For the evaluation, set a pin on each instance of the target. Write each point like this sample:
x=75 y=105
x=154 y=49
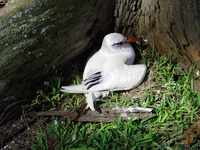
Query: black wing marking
x=93 y=80
x=91 y=85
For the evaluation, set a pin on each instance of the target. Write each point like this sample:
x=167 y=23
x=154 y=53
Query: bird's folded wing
x=121 y=77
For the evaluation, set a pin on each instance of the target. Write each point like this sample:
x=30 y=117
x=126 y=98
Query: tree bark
x=38 y=35
x=173 y=25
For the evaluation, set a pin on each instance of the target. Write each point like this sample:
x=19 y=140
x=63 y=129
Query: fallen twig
x=107 y=114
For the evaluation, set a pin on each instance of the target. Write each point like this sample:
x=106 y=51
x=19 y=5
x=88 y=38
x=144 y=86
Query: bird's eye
x=119 y=43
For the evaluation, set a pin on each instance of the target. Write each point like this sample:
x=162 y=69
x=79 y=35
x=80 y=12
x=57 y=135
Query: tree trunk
x=38 y=35
x=173 y=25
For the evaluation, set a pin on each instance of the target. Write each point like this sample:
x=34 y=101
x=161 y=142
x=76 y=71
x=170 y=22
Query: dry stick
x=58 y=139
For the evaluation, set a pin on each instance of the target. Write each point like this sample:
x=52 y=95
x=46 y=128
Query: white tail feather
x=90 y=101
x=73 y=89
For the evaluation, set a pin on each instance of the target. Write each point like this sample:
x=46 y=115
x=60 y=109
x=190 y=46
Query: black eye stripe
x=119 y=43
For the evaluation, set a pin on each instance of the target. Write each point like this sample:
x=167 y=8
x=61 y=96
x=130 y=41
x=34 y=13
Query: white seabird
x=110 y=69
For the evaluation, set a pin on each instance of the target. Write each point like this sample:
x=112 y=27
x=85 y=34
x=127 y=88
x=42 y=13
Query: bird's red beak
x=130 y=40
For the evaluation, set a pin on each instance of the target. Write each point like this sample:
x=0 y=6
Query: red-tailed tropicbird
x=109 y=69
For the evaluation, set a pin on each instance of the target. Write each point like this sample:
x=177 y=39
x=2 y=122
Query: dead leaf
x=191 y=134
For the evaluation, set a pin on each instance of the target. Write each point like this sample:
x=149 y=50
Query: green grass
x=167 y=89
x=68 y=101
x=132 y=134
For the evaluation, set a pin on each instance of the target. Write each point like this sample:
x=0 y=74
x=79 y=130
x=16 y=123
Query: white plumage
x=110 y=69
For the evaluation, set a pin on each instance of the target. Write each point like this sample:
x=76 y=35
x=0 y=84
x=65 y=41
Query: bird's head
x=116 y=41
